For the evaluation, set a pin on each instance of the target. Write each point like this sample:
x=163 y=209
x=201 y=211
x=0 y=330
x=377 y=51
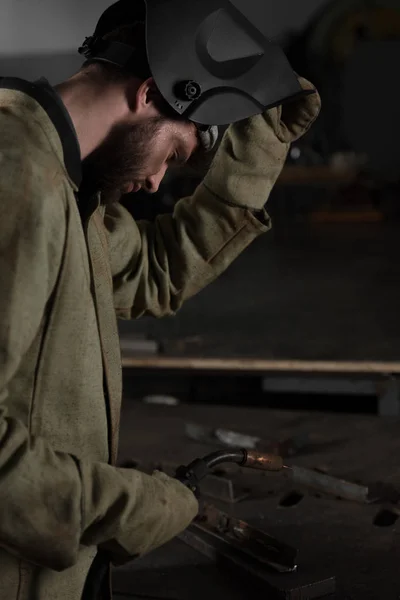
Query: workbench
x=357 y=543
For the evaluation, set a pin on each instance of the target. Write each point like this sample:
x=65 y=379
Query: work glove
x=140 y=514
x=253 y=151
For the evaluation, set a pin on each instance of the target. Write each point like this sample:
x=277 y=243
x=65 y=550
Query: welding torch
x=192 y=474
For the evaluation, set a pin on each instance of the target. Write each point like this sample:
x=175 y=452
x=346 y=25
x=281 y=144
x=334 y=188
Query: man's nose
x=153 y=181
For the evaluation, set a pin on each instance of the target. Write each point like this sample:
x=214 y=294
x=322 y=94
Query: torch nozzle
x=263 y=462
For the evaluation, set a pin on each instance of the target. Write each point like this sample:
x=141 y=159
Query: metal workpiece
x=257 y=558
x=261 y=582
x=253 y=542
x=330 y=485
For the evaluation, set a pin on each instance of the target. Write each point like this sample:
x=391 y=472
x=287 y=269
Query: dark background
x=324 y=283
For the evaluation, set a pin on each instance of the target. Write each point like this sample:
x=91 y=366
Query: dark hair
x=133 y=35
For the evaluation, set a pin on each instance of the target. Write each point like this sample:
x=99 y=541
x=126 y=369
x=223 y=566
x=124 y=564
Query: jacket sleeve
x=157 y=266
x=50 y=502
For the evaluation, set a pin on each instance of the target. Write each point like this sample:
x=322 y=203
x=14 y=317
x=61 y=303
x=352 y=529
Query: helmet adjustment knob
x=188 y=90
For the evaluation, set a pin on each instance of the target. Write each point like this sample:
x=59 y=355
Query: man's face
x=138 y=155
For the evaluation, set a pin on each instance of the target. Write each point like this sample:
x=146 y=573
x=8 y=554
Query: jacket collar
x=50 y=101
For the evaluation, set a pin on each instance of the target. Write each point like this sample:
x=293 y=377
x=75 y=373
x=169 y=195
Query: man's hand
x=253 y=152
x=292 y=120
x=156 y=509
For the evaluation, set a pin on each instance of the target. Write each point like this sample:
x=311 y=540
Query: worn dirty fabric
x=238 y=175
x=189 y=250
x=63 y=280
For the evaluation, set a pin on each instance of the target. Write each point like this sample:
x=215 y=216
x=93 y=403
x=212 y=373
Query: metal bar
x=330 y=485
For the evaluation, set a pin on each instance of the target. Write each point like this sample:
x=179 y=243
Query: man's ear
x=145 y=99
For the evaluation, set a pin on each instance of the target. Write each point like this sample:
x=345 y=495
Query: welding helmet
x=211 y=63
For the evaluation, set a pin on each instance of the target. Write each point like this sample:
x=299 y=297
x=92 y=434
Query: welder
x=151 y=91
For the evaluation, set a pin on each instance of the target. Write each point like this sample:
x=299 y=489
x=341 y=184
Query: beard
x=121 y=159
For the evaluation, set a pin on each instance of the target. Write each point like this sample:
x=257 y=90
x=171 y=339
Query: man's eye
x=175 y=159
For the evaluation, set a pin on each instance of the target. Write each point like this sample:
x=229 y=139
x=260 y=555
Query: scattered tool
x=234 y=439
